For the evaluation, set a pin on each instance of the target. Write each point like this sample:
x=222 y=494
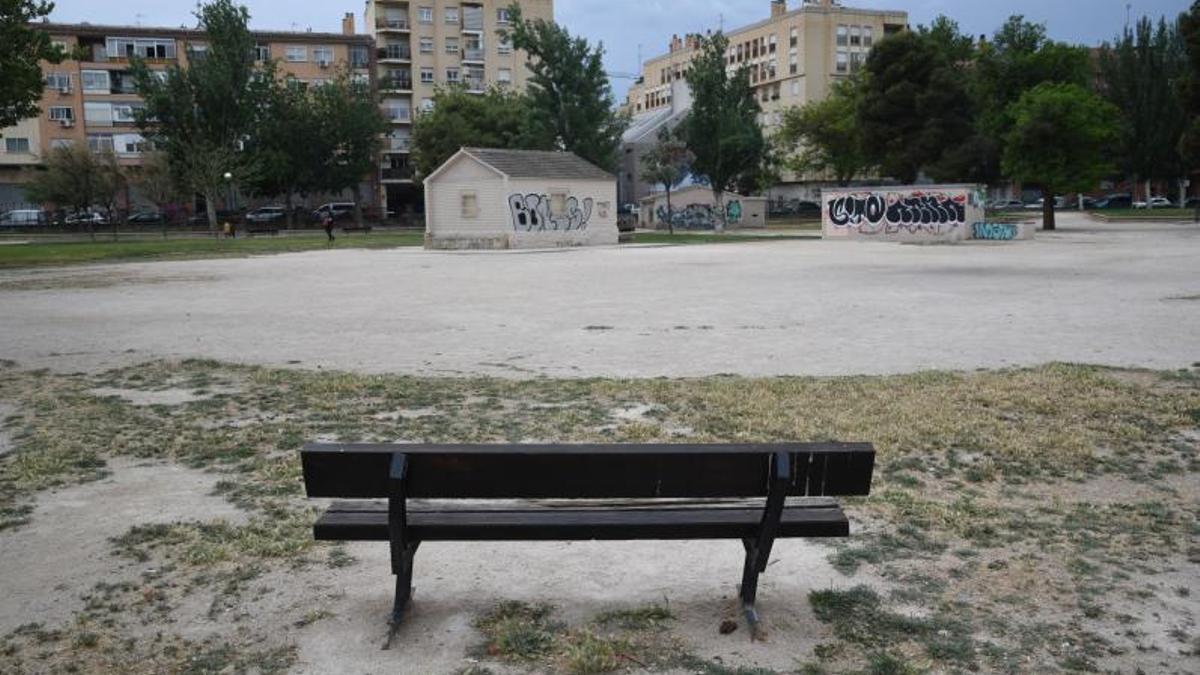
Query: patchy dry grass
x=1024 y=520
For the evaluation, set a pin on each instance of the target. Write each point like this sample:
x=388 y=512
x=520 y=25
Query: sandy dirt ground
x=1122 y=295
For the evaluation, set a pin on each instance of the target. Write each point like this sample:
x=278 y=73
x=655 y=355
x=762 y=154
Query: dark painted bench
x=707 y=476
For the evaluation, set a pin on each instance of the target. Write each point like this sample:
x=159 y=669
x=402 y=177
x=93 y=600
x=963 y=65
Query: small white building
x=503 y=199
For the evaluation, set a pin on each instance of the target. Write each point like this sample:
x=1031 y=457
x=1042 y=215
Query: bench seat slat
x=367 y=521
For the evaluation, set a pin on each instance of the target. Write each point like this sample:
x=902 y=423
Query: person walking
x=327 y=222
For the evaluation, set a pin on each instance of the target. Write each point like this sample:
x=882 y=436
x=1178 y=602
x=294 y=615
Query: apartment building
x=426 y=44
x=94 y=100
x=794 y=56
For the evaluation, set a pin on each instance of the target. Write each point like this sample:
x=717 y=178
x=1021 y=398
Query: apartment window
x=296 y=54
x=426 y=45
x=62 y=113
x=795 y=38
x=425 y=14
x=452 y=15
x=771 y=45
x=323 y=55
x=470 y=205
x=100 y=142
x=427 y=76
x=59 y=143
x=452 y=75
x=451 y=45
x=146 y=48
x=855 y=36
x=504 y=76
x=795 y=87
x=868 y=36
x=16 y=146
x=427 y=105
x=843 y=62
x=98 y=113
x=856 y=61
x=262 y=52
x=95 y=81
x=197 y=51
x=502 y=16
x=360 y=56
x=843 y=33
x=58 y=81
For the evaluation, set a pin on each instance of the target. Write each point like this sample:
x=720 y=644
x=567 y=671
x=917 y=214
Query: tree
x=157 y=182
x=722 y=128
x=498 y=119
x=824 y=136
x=668 y=164
x=76 y=178
x=1059 y=141
x=1189 y=91
x=1140 y=76
x=349 y=128
x=285 y=167
x=915 y=108
x=203 y=115
x=569 y=89
x=25 y=47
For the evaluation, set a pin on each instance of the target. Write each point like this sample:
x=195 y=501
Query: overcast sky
x=625 y=25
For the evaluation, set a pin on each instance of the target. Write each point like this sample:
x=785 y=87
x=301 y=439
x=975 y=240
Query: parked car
x=339 y=211
x=1116 y=201
x=1006 y=205
x=147 y=218
x=86 y=218
x=267 y=215
x=23 y=218
x=1155 y=202
x=1059 y=203
x=1192 y=203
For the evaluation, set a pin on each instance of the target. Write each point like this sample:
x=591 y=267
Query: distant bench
x=702 y=474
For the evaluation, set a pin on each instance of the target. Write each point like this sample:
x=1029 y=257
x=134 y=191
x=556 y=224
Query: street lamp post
x=228 y=202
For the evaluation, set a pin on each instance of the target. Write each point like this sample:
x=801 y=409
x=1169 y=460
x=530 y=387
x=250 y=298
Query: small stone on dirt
x=728 y=626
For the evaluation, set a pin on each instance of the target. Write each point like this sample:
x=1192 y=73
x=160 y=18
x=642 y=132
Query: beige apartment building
x=94 y=100
x=794 y=57
x=422 y=45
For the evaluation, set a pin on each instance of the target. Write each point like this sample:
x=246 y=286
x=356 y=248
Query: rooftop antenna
x=721 y=20
x=639 y=57
x=1128 y=14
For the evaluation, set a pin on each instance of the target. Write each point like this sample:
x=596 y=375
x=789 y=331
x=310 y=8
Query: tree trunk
x=287 y=204
x=358 y=214
x=1149 y=204
x=670 y=220
x=1047 y=209
x=719 y=207
x=210 y=208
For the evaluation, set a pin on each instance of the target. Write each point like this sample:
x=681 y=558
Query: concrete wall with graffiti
x=692 y=209
x=927 y=213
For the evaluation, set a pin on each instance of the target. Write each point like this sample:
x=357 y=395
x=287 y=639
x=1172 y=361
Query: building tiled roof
x=539 y=164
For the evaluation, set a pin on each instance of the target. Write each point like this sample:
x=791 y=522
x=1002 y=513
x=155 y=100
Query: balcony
x=392 y=24
x=398 y=115
x=475 y=85
x=397 y=174
x=398 y=144
x=395 y=53
x=395 y=84
x=473 y=54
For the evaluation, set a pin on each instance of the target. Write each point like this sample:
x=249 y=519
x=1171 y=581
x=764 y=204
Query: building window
x=59 y=143
x=452 y=15
x=148 y=48
x=95 y=81
x=100 y=143
x=262 y=52
x=425 y=14
x=197 y=51
x=98 y=113
x=855 y=36
x=62 y=113
x=795 y=38
x=856 y=61
x=470 y=205
x=504 y=76
x=842 y=36
x=452 y=75
x=16 y=146
x=427 y=76
x=843 y=62
x=558 y=204
x=297 y=54
x=426 y=45
x=795 y=87
x=868 y=36
x=771 y=45
x=451 y=45
x=323 y=55
x=58 y=81
x=502 y=15
x=360 y=56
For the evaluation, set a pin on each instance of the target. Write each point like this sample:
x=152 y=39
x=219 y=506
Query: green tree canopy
x=203 y=115
x=722 y=128
x=77 y=179
x=568 y=88
x=497 y=119
x=350 y=127
x=667 y=164
x=1059 y=140
x=1189 y=146
x=22 y=49
x=824 y=136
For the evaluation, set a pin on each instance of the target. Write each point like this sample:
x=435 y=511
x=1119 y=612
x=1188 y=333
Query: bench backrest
x=648 y=471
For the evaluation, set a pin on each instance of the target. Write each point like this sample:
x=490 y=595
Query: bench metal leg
x=404 y=581
x=749 y=589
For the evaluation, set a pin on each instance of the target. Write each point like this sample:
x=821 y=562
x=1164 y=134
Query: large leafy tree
x=722 y=128
x=1140 y=75
x=156 y=181
x=350 y=126
x=285 y=167
x=1189 y=91
x=915 y=109
x=75 y=178
x=568 y=88
x=203 y=115
x=22 y=49
x=1059 y=140
x=824 y=136
x=667 y=164
x=497 y=119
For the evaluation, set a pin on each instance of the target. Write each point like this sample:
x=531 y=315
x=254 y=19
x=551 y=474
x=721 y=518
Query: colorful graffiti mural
x=700 y=216
x=532 y=213
x=872 y=213
x=995 y=231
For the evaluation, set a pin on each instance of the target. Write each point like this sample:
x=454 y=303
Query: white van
x=23 y=218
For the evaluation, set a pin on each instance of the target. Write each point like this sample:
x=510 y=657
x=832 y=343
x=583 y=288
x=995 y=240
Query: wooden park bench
x=706 y=476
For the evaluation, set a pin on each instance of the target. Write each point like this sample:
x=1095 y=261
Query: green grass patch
x=43 y=254
x=638 y=618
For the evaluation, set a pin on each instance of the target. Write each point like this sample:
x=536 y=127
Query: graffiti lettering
x=995 y=231
x=699 y=216
x=917 y=212
x=532 y=213
x=733 y=212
